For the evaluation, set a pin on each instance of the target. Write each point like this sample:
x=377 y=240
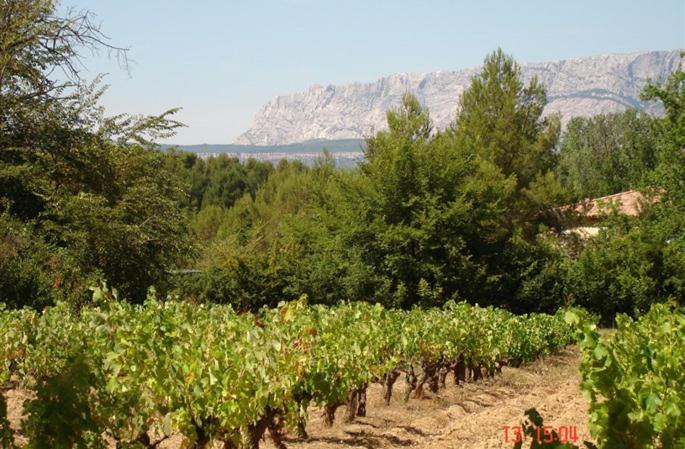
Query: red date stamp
x=541 y=434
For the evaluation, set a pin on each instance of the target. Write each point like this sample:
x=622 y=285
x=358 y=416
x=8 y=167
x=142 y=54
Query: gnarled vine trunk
x=460 y=370
x=389 y=380
x=411 y=383
x=269 y=421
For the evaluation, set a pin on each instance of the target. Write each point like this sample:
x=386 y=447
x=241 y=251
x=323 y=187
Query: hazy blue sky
x=222 y=60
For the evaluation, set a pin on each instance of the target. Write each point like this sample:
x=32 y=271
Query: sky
x=222 y=60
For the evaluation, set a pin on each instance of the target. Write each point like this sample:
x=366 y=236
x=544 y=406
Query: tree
x=500 y=124
x=607 y=153
x=499 y=119
x=668 y=179
x=92 y=189
x=428 y=205
x=670 y=170
x=36 y=45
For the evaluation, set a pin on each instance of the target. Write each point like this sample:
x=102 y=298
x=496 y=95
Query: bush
x=32 y=273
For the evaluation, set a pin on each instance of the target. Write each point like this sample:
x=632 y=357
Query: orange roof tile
x=629 y=203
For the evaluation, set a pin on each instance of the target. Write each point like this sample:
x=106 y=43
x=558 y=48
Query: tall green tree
x=92 y=189
x=500 y=123
x=500 y=119
x=670 y=171
x=607 y=153
x=668 y=179
x=428 y=206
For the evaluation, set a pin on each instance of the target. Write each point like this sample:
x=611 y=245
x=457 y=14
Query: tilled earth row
x=470 y=416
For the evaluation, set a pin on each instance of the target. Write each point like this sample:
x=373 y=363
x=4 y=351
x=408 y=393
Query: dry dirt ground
x=470 y=416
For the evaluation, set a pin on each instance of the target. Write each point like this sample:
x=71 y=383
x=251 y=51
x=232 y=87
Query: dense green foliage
x=133 y=372
x=218 y=181
x=635 y=380
x=81 y=196
x=606 y=154
x=628 y=267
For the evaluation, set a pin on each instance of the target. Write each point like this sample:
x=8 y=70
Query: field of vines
x=132 y=375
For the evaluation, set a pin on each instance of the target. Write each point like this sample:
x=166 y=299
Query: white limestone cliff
x=575 y=87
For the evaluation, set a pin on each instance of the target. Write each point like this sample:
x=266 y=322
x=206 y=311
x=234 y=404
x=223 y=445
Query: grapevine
x=137 y=374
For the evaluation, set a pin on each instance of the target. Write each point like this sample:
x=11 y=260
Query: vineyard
x=135 y=375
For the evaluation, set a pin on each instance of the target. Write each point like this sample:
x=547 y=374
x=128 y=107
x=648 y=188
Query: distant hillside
x=346 y=152
x=576 y=87
x=311 y=146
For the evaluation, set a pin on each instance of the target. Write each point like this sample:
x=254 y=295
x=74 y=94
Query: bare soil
x=15 y=400
x=469 y=416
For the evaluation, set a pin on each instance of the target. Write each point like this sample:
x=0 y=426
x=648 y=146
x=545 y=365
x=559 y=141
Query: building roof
x=629 y=203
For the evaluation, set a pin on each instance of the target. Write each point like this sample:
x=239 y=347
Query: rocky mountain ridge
x=575 y=87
